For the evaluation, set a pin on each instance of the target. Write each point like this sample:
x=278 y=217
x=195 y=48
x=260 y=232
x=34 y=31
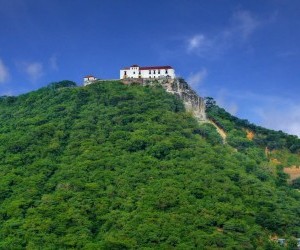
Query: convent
x=135 y=71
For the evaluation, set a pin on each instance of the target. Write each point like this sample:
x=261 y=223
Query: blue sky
x=245 y=54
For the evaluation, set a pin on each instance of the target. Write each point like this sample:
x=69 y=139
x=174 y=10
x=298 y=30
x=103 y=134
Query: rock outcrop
x=179 y=87
x=190 y=98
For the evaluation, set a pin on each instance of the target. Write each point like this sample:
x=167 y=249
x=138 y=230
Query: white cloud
x=201 y=45
x=198 y=41
x=197 y=79
x=4 y=73
x=53 y=62
x=34 y=70
x=243 y=24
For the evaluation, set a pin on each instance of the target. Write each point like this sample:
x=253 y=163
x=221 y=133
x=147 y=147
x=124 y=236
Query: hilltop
x=112 y=166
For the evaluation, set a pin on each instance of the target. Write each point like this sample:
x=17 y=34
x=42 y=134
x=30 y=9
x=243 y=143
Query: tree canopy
x=110 y=166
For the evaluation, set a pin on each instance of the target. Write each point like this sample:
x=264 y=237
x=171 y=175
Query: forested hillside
x=110 y=166
x=280 y=149
x=236 y=127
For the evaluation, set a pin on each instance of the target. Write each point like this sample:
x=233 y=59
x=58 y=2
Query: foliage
x=110 y=166
x=279 y=148
x=209 y=132
x=296 y=183
x=263 y=137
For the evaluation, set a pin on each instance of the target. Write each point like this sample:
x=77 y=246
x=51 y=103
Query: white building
x=89 y=79
x=135 y=71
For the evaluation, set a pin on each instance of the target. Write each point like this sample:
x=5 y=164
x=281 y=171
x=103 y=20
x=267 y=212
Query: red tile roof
x=156 y=67
x=88 y=76
x=149 y=67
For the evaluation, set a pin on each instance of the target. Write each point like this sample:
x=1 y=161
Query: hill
x=280 y=149
x=110 y=166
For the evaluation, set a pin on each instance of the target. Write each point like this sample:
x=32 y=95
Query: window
x=158 y=71
x=134 y=72
x=153 y=71
x=149 y=72
x=149 y=76
x=125 y=73
x=166 y=71
x=139 y=72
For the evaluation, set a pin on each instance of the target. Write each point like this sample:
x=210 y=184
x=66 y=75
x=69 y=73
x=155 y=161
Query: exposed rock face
x=191 y=100
x=180 y=88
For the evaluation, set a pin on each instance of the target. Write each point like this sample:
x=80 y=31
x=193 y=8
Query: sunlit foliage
x=110 y=166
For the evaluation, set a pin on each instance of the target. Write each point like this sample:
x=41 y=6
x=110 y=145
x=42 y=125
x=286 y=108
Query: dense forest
x=110 y=166
x=281 y=149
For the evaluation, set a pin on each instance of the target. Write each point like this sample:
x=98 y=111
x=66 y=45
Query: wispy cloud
x=244 y=24
x=270 y=111
x=201 y=45
x=225 y=101
x=53 y=62
x=198 y=42
x=196 y=79
x=34 y=70
x=281 y=116
x=240 y=28
x=286 y=54
x=4 y=73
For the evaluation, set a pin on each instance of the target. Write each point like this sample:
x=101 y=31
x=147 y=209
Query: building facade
x=88 y=80
x=135 y=71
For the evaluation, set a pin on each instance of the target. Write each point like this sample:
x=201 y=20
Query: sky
x=244 y=54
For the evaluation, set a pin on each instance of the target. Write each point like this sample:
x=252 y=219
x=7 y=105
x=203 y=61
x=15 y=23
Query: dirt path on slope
x=221 y=132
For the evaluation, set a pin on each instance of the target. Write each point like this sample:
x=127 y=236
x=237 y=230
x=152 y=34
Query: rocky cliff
x=192 y=101
x=180 y=88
